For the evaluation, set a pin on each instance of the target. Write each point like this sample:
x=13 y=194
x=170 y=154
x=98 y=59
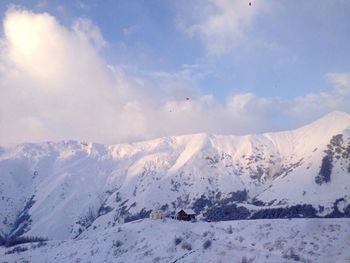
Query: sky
x=122 y=71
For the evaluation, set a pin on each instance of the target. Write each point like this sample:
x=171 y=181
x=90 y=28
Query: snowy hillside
x=60 y=189
x=274 y=240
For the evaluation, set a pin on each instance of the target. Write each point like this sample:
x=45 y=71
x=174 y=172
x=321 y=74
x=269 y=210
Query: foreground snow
x=278 y=240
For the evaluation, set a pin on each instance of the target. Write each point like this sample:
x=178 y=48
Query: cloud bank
x=55 y=85
x=221 y=25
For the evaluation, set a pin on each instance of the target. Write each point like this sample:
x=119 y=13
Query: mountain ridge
x=62 y=189
x=342 y=118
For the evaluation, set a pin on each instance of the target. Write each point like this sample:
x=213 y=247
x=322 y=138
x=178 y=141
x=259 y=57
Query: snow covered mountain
x=62 y=189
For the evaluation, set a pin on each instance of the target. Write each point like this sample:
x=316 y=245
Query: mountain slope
x=60 y=189
x=302 y=240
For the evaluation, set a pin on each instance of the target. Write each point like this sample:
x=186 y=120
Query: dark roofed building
x=185 y=214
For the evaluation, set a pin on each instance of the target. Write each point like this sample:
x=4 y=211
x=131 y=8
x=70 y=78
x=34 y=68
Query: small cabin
x=185 y=214
x=156 y=214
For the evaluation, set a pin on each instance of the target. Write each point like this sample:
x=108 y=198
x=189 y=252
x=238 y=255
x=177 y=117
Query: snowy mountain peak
x=62 y=189
x=337 y=115
x=336 y=119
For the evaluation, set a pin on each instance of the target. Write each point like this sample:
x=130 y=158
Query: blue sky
x=277 y=51
x=300 y=42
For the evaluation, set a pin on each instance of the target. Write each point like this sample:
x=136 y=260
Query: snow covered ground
x=273 y=240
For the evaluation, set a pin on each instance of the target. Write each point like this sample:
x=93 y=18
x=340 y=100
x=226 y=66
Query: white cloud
x=222 y=24
x=55 y=76
x=86 y=30
x=265 y=114
x=341 y=81
x=54 y=85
